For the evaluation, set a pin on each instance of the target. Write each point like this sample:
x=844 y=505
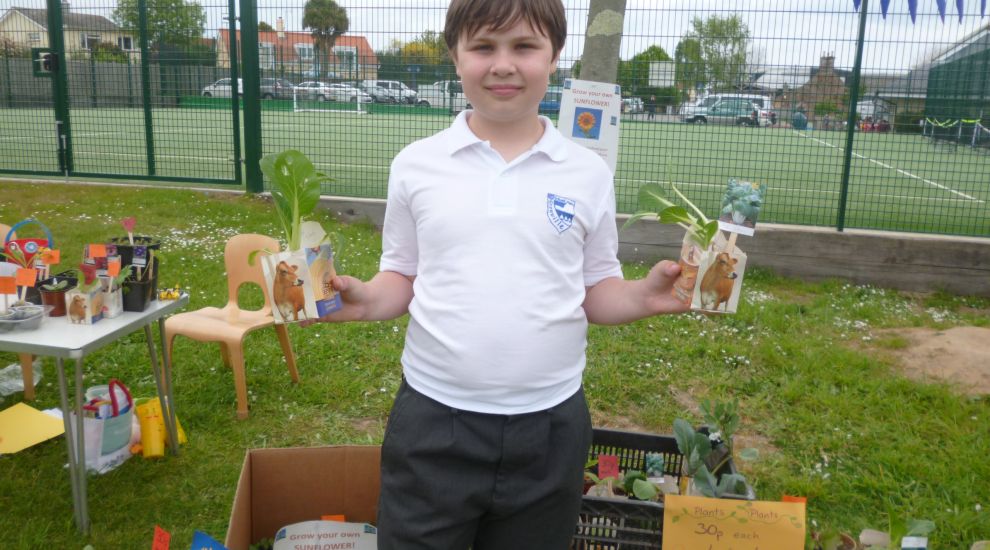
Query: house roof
x=366 y=56
x=71 y=21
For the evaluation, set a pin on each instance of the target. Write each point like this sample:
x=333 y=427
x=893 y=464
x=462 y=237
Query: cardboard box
x=279 y=487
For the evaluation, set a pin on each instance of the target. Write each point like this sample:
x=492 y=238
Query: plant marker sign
x=692 y=523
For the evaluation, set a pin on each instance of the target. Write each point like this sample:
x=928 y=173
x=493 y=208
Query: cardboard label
x=51 y=256
x=26 y=276
x=608 y=466
x=8 y=285
x=589 y=116
x=113 y=266
x=690 y=523
x=97 y=251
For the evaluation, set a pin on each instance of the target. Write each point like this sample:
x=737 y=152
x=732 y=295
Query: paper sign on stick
x=608 y=466
x=26 y=276
x=97 y=251
x=113 y=266
x=723 y=524
x=8 y=285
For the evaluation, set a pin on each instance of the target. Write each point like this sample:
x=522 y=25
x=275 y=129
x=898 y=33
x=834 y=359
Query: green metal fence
x=896 y=141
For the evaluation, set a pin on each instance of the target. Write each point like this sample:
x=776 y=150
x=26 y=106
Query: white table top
x=58 y=337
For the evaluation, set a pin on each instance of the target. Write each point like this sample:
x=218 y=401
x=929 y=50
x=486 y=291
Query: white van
x=442 y=94
x=397 y=91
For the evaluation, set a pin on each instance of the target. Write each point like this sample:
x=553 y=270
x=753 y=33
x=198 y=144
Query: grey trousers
x=453 y=479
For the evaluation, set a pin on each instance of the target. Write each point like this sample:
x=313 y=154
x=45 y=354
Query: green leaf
x=704 y=481
x=296 y=187
x=644 y=490
x=636 y=217
x=676 y=214
x=651 y=197
x=684 y=435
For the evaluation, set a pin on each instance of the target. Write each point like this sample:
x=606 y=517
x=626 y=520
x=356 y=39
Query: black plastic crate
x=618 y=523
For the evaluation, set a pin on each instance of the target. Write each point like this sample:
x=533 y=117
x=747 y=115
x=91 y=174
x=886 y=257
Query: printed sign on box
x=589 y=116
x=690 y=523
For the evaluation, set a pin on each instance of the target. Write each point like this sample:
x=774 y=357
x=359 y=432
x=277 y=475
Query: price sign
x=691 y=523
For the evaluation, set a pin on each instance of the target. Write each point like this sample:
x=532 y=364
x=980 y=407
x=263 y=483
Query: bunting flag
x=913 y=8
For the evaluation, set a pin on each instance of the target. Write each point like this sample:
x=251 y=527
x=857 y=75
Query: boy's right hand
x=385 y=296
x=352 y=293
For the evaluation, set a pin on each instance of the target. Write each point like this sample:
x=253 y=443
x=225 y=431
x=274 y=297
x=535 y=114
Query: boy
x=500 y=242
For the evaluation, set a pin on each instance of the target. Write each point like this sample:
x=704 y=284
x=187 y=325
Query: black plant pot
x=126 y=252
x=137 y=295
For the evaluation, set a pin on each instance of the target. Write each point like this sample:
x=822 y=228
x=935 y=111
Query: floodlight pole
x=851 y=119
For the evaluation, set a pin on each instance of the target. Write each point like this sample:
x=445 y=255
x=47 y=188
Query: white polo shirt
x=502 y=253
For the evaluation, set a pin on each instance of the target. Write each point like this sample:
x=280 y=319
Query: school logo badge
x=560 y=211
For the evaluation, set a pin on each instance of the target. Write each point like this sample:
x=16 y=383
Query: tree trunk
x=600 y=60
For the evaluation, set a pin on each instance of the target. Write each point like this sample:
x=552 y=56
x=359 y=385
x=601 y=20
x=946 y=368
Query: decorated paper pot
x=689 y=261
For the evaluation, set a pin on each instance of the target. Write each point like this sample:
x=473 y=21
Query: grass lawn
x=811 y=364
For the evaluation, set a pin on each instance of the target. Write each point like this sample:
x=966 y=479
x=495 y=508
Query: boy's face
x=505 y=74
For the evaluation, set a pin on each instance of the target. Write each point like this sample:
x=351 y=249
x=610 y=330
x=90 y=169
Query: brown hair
x=466 y=17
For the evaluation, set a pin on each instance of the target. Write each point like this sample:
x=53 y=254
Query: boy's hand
x=352 y=294
x=385 y=296
x=659 y=284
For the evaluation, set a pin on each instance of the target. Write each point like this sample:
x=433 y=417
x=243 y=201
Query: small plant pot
x=126 y=251
x=137 y=295
x=56 y=298
x=689 y=261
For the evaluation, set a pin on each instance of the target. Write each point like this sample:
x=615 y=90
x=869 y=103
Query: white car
x=221 y=88
x=319 y=91
x=343 y=92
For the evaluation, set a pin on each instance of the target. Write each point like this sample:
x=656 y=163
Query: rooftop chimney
x=827 y=62
x=280 y=27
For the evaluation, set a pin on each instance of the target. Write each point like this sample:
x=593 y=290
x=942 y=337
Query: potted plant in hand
x=298 y=279
x=699 y=231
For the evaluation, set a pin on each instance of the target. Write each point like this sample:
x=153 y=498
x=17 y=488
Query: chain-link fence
x=156 y=89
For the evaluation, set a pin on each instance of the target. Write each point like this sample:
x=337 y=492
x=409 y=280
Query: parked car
x=343 y=92
x=632 y=105
x=443 y=93
x=221 y=88
x=320 y=91
x=276 y=88
x=551 y=100
x=271 y=88
x=399 y=92
x=377 y=93
x=740 y=112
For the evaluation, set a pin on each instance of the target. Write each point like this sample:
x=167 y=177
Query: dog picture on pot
x=720 y=278
x=299 y=283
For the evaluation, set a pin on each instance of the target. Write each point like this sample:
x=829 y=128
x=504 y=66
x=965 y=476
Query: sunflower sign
x=589 y=116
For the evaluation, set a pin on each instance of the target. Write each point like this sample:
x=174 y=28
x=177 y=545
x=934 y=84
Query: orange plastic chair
x=229 y=325
x=27 y=360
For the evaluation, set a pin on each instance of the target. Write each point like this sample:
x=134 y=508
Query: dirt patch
x=959 y=355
